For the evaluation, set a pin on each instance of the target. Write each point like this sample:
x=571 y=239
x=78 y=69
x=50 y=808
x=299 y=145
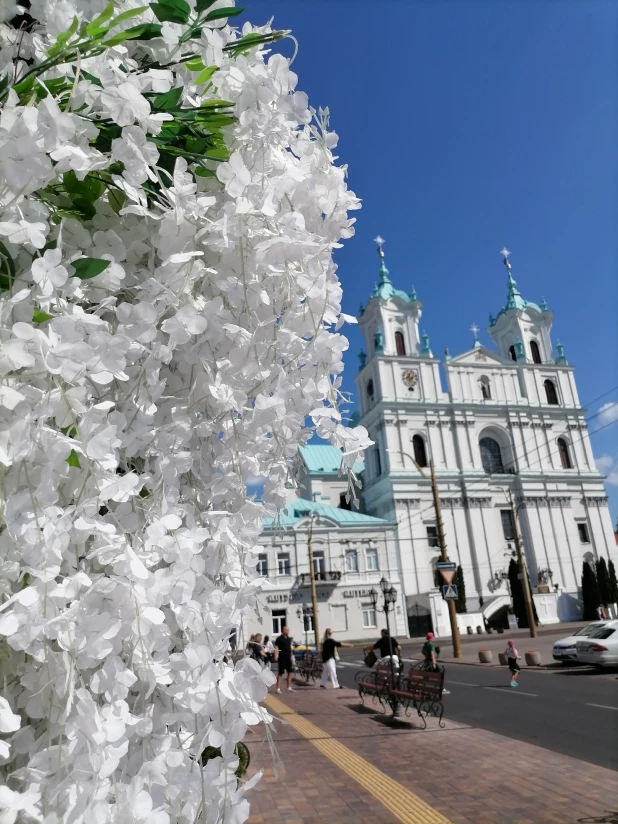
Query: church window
x=376 y=451
x=433 y=540
x=370 y=390
x=512 y=353
x=563 y=450
x=584 y=536
x=400 y=344
x=550 y=392
x=535 y=351
x=508 y=527
x=420 y=454
x=491 y=456
x=485 y=388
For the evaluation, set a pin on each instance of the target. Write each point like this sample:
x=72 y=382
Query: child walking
x=512 y=657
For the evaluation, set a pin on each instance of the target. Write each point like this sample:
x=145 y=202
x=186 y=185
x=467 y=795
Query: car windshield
x=587 y=630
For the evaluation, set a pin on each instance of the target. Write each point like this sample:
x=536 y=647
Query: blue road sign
x=449 y=592
x=446 y=565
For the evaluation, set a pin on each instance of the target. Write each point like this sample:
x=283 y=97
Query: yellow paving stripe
x=405 y=806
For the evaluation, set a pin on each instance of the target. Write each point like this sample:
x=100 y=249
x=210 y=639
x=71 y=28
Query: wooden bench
x=377 y=683
x=421 y=690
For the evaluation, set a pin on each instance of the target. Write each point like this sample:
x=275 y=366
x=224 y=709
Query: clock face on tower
x=410 y=378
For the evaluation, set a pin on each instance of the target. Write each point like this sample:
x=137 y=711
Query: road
x=572 y=710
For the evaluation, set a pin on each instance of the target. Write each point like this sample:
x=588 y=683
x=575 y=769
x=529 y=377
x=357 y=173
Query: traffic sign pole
x=444 y=559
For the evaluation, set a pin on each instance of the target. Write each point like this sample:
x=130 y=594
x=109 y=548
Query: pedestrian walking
x=284 y=658
x=249 y=645
x=513 y=657
x=330 y=656
x=430 y=652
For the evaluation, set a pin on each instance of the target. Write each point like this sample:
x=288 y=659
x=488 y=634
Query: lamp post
x=389 y=595
x=305 y=613
x=314 y=597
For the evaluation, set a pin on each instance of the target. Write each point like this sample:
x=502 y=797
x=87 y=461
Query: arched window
x=485 y=388
x=370 y=390
x=550 y=392
x=512 y=353
x=565 y=458
x=420 y=455
x=535 y=351
x=400 y=343
x=491 y=456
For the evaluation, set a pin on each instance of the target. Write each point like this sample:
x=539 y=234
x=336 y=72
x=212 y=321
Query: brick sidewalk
x=469 y=776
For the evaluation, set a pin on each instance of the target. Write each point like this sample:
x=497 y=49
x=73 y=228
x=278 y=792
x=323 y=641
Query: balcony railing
x=330 y=577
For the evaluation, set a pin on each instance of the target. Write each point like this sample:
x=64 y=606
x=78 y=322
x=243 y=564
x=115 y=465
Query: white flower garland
x=168 y=323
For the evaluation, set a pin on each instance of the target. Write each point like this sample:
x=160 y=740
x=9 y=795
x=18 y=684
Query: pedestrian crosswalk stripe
x=403 y=804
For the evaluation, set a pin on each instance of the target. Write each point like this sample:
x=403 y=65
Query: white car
x=600 y=647
x=565 y=649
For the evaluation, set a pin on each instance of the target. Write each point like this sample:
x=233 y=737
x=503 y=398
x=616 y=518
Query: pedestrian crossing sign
x=449 y=592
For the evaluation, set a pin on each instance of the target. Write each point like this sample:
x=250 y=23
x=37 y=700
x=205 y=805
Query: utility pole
x=314 y=597
x=452 y=613
x=523 y=571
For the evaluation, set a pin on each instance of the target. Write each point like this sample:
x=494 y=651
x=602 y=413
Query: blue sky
x=467 y=126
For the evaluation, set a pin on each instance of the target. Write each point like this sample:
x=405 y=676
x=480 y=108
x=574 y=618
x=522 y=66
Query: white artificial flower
x=48 y=273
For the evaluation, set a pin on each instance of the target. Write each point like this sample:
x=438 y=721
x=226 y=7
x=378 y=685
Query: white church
x=508 y=421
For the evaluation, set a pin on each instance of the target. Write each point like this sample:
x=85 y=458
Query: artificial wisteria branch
x=169 y=307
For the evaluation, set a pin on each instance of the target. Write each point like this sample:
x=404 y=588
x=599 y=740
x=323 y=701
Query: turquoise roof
x=300 y=508
x=384 y=287
x=324 y=459
x=514 y=300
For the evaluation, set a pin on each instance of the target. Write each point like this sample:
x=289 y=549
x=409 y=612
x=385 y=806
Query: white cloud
x=608 y=413
x=607 y=465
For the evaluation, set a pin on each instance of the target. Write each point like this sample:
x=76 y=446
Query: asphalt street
x=570 y=710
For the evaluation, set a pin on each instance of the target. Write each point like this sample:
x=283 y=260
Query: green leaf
x=40 y=317
x=73 y=459
x=86 y=268
x=204 y=77
x=202 y=171
x=92 y=78
x=144 y=31
x=217 y=14
x=96 y=24
x=202 y=5
x=63 y=38
x=24 y=86
x=88 y=189
x=127 y=15
x=69 y=431
x=217 y=153
x=194 y=64
x=5 y=82
x=116 y=199
x=215 y=104
x=171 y=11
x=25 y=580
x=8 y=260
x=168 y=100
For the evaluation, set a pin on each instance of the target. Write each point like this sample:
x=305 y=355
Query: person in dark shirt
x=284 y=657
x=385 y=648
x=329 y=659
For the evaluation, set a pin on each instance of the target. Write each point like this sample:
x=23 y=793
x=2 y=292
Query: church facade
x=507 y=424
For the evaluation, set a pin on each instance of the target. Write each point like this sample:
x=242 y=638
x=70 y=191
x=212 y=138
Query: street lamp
x=389 y=595
x=305 y=613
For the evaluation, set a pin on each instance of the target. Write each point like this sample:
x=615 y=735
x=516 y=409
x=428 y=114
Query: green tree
x=613 y=583
x=517 y=593
x=590 y=592
x=603 y=581
x=460 y=603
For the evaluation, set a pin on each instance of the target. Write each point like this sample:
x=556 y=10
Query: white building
x=351 y=553
x=508 y=421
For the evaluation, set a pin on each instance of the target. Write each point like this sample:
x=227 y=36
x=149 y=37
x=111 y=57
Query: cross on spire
x=379 y=241
x=505 y=257
x=475 y=331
